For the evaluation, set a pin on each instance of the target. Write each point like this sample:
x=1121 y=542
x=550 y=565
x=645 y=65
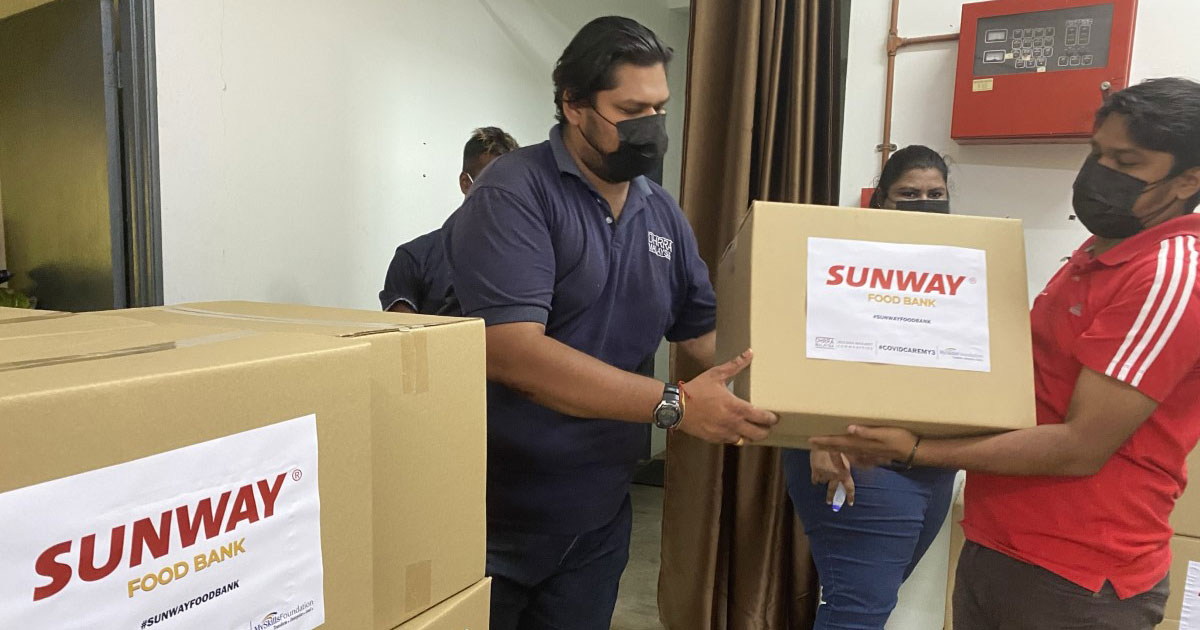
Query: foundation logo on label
x=275 y=619
x=826 y=343
x=972 y=354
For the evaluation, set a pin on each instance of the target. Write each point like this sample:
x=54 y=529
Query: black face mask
x=1104 y=200
x=935 y=206
x=643 y=142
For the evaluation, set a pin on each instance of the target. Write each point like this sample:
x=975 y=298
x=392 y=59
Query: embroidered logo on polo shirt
x=660 y=246
x=1077 y=310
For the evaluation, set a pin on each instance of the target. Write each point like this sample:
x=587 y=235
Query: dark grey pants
x=995 y=592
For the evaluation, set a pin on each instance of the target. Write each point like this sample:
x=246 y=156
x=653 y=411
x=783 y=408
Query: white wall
x=1029 y=182
x=302 y=141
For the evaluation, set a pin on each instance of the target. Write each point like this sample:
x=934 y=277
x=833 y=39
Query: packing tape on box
x=123 y=352
x=377 y=327
x=414 y=362
x=418 y=586
x=35 y=318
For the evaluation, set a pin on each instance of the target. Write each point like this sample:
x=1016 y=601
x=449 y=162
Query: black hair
x=910 y=158
x=586 y=66
x=486 y=141
x=1162 y=115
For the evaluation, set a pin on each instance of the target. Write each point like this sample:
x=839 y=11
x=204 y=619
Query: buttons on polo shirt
x=608 y=220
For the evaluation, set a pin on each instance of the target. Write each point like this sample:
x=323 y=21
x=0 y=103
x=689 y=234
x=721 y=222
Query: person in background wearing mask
x=914 y=179
x=1067 y=522
x=865 y=549
x=418 y=279
x=579 y=266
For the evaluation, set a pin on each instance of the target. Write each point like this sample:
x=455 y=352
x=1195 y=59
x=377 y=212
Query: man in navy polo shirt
x=418 y=279
x=580 y=266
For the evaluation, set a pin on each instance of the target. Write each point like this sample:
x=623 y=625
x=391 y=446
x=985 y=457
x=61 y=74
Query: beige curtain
x=762 y=123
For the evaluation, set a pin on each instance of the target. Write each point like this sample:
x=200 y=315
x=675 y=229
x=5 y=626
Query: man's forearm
x=557 y=376
x=702 y=350
x=1045 y=450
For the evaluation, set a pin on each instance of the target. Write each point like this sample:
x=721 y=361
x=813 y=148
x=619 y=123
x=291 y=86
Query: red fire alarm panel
x=1036 y=70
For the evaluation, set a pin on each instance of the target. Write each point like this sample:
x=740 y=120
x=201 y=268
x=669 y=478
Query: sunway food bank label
x=898 y=304
x=225 y=534
x=1190 y=612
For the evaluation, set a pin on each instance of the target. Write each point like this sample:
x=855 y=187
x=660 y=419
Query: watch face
x=666 y=416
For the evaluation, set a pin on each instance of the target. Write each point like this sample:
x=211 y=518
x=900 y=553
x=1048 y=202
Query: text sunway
x=895 y=279
x=248 y=507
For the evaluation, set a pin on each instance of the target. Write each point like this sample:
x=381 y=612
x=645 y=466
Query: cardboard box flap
x=337 y=321
x=21 y=359
x=36 y=368
x=409 y=331
x=62 y=323
x=113 y=353
x=8 y=314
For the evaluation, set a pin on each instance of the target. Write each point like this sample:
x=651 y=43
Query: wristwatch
x=669 y=412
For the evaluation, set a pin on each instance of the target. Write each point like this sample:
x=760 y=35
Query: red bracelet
x=682 y=397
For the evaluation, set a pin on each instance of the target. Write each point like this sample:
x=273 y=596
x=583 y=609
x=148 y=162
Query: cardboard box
x=957 y=540
x=1185 y=551
x=936 y=276
x=1185 y=517
x=86 y=325
x=125 y=439
x=429 y=409
x=468 y=610
x=21 y=314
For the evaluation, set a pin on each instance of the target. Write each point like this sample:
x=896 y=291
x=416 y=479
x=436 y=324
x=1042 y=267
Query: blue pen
x=839 y=497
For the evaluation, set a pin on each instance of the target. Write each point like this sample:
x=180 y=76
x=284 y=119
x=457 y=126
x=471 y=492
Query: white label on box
x=899 y=304
x=1189 y=618
x=224 y=534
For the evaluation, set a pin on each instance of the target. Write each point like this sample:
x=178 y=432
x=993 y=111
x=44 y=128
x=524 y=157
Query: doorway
x=78 y=154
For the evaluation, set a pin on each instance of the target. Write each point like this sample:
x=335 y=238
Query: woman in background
x=866 y=548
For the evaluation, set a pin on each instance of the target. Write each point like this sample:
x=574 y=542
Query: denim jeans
x=865 y=552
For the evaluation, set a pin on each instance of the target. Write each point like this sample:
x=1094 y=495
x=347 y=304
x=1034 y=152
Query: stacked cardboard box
x=428 y=422
x=190 y=457
x=1185 y=553
x=396 y=404
x=1185 y=580
x=887 y=318
x=468 y=610
x=14 y=314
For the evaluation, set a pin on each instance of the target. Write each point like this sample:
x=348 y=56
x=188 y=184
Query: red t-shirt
x=1133 y=314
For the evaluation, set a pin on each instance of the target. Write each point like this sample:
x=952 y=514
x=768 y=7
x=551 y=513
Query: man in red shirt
x=1067 y=522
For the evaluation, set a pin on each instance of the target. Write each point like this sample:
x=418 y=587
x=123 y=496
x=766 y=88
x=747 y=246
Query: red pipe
x=894 y=44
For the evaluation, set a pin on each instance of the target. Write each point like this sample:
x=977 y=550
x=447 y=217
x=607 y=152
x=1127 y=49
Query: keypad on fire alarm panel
x=1058 y=39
